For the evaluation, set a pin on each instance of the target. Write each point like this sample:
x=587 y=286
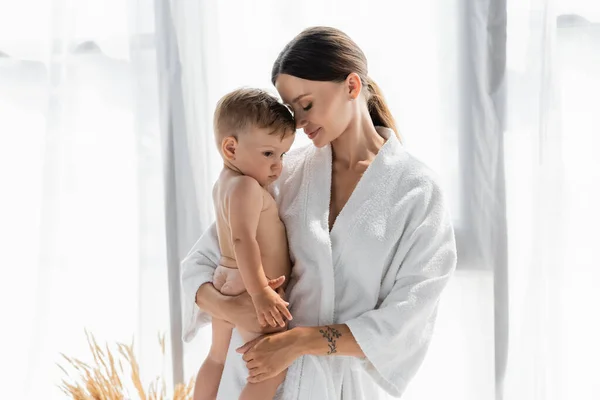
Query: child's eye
x=268 y=153
x=282 y=154
x=308 y=107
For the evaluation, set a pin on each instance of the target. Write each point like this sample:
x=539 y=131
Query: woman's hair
x=328 y=54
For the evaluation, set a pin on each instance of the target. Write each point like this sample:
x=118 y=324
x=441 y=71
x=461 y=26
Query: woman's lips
x=314 y=133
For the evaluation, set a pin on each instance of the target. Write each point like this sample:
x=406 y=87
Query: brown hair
x=246 y=108
x=328 y=54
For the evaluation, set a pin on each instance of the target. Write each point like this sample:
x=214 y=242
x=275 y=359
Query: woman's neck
x=358 y=144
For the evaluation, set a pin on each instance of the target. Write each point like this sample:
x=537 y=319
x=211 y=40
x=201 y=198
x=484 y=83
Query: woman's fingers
x=246 y=349
x=254 y=372
x=248 y=356
x=254 y=369
x=258 y=378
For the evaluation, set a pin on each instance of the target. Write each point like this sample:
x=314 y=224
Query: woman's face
x=322 y=109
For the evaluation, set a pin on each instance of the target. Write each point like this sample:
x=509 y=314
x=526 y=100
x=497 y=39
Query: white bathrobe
x=380 y=270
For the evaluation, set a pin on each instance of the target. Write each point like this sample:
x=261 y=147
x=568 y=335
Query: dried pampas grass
x=105 y=379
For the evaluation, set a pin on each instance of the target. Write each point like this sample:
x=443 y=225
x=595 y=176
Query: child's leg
x=263 y=390
x=209 y=375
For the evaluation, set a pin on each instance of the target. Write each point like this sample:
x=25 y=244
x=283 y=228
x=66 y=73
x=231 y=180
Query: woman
x=369 y=236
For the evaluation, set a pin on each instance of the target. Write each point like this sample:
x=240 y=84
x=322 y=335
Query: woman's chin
x=318 y=143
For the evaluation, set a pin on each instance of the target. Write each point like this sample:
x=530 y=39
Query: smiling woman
x=423 y=93
x=329 y=59
x=380 y=224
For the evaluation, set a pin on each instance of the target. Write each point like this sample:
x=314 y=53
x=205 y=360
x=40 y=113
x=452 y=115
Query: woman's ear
x=228 y=147
x=354 y=85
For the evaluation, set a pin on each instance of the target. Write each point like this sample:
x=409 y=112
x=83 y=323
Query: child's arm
x=245 y=206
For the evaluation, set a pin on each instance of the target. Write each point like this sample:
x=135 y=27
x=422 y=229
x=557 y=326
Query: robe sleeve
x=395 y=336
x=198 y=268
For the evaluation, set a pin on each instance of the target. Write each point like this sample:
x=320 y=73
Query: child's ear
x=228 y=146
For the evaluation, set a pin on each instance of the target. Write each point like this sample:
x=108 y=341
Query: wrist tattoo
x=331 y=335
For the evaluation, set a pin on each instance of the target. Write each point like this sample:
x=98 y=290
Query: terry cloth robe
x=381 y=270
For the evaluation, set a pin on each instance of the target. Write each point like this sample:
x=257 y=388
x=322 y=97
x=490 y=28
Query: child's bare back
x=232 y=188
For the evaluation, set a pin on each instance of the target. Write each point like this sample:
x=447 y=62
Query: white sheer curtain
x=553 y=189
x=82 y=218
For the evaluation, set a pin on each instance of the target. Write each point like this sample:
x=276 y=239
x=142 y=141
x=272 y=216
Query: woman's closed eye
x=308 y=107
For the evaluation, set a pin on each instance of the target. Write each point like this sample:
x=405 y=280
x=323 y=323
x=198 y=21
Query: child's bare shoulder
x=244 y=187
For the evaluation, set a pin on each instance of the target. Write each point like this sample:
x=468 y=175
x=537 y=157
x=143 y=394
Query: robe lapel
x=319 y=189
x=326 y=246
x=363 y=202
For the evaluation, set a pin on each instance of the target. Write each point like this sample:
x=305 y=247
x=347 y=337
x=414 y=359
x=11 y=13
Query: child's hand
x=270 y=308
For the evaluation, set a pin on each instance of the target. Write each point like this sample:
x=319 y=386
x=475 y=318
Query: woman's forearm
x=237 y=310
x=327 y=340
x=212 y=301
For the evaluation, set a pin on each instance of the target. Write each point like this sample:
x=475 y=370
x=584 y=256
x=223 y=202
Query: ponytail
x=378 y=108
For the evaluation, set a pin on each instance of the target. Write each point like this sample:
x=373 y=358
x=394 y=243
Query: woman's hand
x=269 y=355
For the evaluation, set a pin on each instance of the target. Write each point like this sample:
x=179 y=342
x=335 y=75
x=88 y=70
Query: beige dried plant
x=105 y=380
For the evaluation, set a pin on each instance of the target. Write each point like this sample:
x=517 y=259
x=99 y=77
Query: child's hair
x=248 y=108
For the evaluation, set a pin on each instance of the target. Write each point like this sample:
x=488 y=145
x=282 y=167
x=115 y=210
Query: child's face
x=259 y=154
